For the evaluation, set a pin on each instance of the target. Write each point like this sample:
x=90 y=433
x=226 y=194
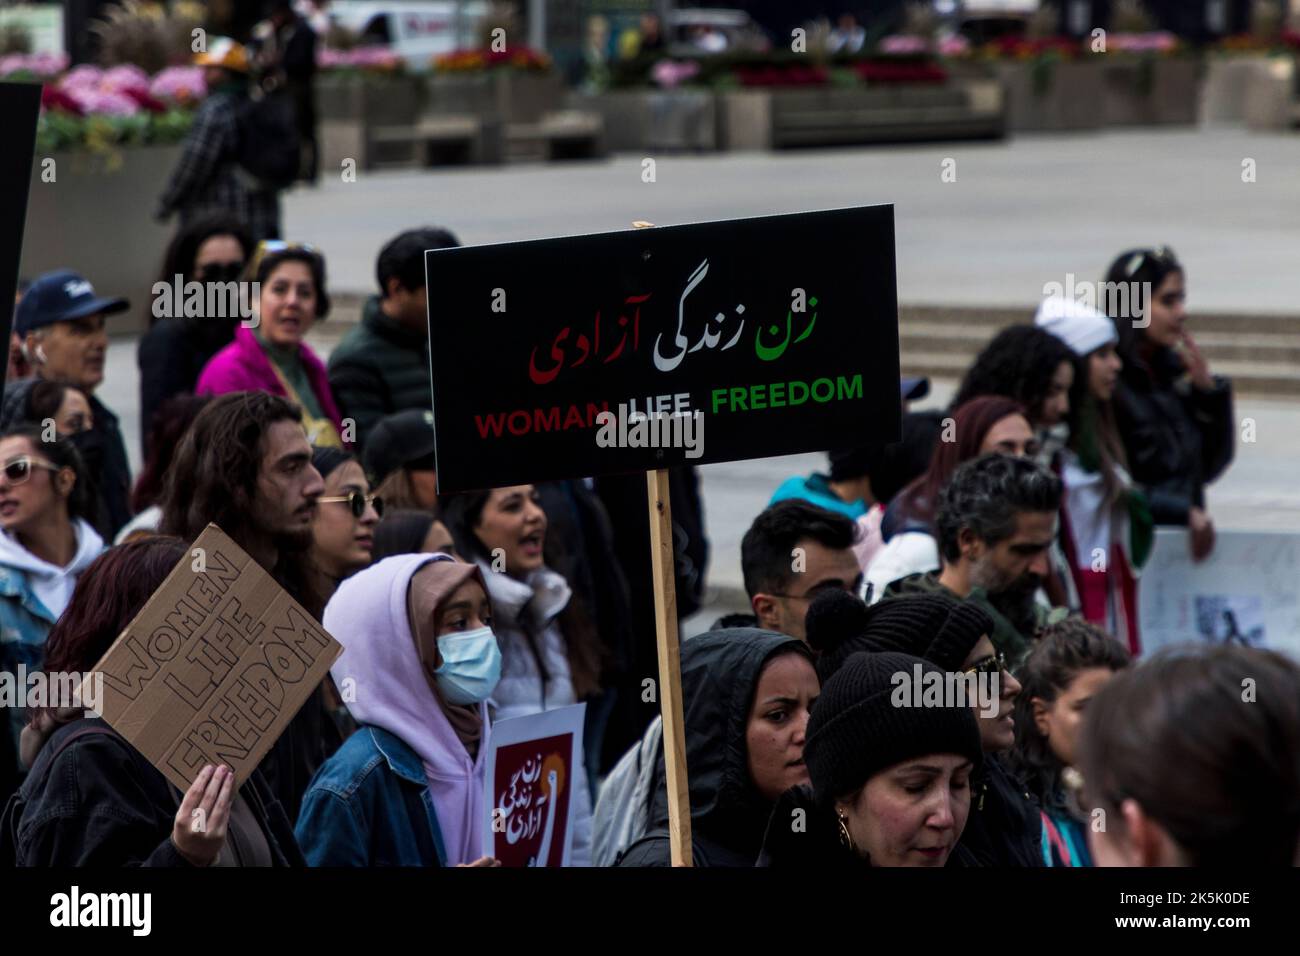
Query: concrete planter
x=643 y=119
x=1150 y=91
x=744 y=120
x=1064 y=96
x=350 y=107
x=505 y=95
x=1273 y=100
x=96 y=218
x=969 y=109
x=1226 y=90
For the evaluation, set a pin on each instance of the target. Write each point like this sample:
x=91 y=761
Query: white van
x=416 y=31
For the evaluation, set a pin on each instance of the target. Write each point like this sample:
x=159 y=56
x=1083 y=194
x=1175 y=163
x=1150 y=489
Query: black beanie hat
x=932 y=625
x=856 y=730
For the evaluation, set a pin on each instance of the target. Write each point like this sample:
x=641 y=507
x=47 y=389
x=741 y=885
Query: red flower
x=146 y=101
x=53 y=98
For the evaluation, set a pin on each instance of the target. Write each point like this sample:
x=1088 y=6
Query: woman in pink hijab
x=418 y=665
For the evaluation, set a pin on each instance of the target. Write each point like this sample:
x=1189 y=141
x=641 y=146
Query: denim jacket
x=369 y=805
x=24 y=624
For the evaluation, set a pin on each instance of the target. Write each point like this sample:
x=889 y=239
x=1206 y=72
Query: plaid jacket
x=208 y=179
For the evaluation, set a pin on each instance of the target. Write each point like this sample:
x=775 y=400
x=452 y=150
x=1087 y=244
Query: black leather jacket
x=1177 y=438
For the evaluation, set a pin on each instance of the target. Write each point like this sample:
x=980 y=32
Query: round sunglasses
x=356 y=502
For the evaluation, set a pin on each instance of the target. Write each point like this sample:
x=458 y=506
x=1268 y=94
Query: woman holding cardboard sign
x=91 y=798
x=419 y=662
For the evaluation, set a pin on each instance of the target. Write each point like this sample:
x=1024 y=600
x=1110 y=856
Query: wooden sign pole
x=670 y=679
x=670 y=664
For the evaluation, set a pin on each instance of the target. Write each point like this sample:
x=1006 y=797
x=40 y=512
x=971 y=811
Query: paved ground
x=1020 y=213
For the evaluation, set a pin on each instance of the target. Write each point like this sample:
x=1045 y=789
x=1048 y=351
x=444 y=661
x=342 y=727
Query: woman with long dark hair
x=1174 y=416
x=1072 y=661
x=549 y=652
x=91 y=798
x=172 y=353
x=410 y=531
x=1026 y=364
x=991 y=423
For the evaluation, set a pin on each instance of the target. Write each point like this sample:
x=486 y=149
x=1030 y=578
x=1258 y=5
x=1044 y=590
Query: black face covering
x=91 y=446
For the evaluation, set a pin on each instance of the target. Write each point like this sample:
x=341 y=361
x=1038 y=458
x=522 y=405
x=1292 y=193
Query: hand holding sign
x=199 y=831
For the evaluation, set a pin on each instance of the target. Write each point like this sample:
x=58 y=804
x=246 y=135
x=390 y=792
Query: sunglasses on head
x=1162 y=254
x=270 y=247
x=19 y=470
x=280 y=245
x=357 y=502
x=993 y=664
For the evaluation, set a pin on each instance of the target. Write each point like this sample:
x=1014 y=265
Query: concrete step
x=1279 y=347
x=995 y=317
x=1258 y=379
x=1260 y=353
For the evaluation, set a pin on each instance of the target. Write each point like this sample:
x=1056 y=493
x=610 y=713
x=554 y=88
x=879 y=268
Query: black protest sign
x=20 y=105
x=638 y=350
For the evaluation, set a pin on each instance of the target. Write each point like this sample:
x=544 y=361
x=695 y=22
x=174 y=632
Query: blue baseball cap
x=61 y=296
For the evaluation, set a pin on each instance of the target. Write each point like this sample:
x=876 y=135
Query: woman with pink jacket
x=272 y=356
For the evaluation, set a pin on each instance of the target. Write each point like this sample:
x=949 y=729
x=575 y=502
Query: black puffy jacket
x=720 y=672
x=1177 y=438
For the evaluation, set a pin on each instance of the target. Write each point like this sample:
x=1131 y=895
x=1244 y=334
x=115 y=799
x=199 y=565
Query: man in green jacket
x=382 y=366
x=995 y=521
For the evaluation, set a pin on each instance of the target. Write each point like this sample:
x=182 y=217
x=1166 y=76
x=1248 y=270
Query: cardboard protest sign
x=20 y=105
x=214 y=666
x=1243 y=593
x=530 y=780
x=643 y=349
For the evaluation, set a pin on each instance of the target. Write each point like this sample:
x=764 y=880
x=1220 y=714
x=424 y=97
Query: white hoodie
x=52 y=584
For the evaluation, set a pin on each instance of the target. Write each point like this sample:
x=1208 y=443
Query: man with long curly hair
x=245 y=466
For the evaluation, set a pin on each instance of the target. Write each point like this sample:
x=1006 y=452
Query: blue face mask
x=471 y=665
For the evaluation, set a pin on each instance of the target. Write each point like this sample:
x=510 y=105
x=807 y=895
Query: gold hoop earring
x=846 y=838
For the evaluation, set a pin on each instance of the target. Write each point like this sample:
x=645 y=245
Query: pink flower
x=904 y=45
x=669 y=73
x=1160 y=41
x=104 y=102
x=956 y=45
x=40 y=64
x=363 y=57
x=179 y=84
x=124 y=77
x=81 y=78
